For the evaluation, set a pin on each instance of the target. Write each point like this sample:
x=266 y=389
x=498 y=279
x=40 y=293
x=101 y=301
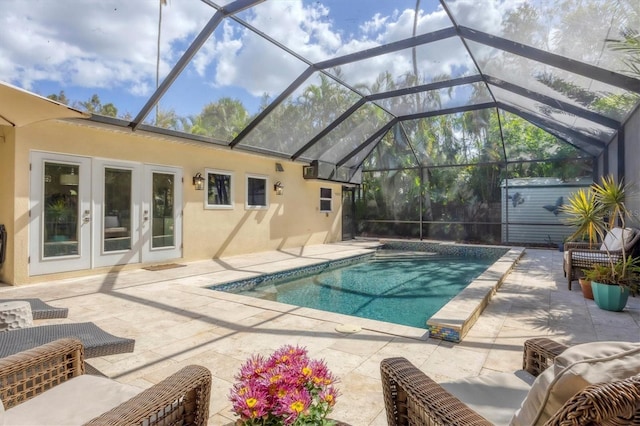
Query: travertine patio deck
x=177 y=322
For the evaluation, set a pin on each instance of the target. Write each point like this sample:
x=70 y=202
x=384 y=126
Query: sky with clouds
x=109 y=47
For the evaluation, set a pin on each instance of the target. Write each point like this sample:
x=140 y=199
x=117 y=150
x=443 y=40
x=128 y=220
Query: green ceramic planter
x=610 y=297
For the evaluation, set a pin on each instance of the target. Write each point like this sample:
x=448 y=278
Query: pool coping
x=450 y=323
x=455 y=319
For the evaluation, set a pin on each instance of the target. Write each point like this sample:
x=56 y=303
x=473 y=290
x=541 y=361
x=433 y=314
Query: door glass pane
x=117 y=210
x=60 y=209
x=162 y=234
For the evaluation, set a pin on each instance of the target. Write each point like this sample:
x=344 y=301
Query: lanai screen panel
x=586 y=127
x=393 y=152
x=317 y=103
x=581 y=30
x=460 y=138
x=436 y=61
x=557 y=83
x=214 y=85
x=366 y=154
x=435 y=100
x=324 y=30
x=349 y=135
x=523 y=142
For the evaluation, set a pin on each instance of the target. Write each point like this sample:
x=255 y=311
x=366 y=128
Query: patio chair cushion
x=594 y=257
x=572 y=371
x=615 y=238
x=495 y=396
x=73 y=402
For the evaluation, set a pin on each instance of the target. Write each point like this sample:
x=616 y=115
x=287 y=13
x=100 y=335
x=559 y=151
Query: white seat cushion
x=74 y=402
x=494 y=396
x=594 y=257
x=616 y=238
x=572 y=371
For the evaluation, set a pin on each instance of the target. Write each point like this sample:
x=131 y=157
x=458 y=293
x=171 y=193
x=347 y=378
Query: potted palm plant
x=595 y=213
x=586 y=215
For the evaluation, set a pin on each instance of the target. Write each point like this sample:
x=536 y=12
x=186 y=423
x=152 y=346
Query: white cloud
x=92 y=44
x=487 y=18
x=112 y=44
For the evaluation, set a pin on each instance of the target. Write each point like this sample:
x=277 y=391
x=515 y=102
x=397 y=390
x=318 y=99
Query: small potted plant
x=586 y=215
x=286 y=388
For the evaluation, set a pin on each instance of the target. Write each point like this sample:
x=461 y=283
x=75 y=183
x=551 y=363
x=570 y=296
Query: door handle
x=86 y=217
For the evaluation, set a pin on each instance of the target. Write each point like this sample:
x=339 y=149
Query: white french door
x=116 y=212
x=60 y=213
x=87 y=213
x=161 y=213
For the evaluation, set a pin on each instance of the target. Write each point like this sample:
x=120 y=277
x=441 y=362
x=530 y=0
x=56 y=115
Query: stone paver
x=177 y=322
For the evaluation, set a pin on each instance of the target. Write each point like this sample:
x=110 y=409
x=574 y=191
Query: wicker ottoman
x=14 y=315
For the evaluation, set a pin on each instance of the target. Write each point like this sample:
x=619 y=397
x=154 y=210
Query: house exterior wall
x=7 y=192
x=291 y=220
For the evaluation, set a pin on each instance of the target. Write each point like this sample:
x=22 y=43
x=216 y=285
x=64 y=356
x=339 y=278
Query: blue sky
x=108 y=47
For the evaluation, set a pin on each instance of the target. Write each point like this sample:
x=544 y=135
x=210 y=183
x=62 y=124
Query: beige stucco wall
x=7 y=135
x=292 y=219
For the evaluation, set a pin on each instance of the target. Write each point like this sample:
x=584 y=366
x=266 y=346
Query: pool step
x=390 y=255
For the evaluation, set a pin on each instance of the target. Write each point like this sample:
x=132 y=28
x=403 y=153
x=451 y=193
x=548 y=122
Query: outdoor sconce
x=278 y=187
x=198 y=182
x=69 y=179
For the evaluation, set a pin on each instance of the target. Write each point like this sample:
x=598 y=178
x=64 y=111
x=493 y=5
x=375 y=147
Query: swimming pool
x=389 y=287
x=393 y=298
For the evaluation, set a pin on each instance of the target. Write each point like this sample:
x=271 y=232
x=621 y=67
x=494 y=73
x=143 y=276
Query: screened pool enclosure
x=453 y=119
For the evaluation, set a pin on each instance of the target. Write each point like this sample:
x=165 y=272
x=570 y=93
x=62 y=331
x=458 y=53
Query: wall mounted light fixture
x=278 y=187
x=198 y=182
x=69 y=179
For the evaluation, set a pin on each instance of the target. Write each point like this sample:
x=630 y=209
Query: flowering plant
x=287 y=388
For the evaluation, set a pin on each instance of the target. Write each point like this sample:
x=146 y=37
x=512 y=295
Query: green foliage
x=595 y=212
x=95 y=106
x=60 y=97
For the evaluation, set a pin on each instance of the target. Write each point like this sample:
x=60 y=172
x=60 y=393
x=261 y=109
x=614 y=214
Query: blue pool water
x=402 y=290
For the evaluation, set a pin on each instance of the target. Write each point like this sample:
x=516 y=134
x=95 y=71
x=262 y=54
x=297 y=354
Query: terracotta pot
x=585 y=285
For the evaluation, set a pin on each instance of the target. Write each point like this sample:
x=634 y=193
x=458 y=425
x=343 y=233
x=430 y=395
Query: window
x=325 y=199
x=256 y=192
x=219 y=189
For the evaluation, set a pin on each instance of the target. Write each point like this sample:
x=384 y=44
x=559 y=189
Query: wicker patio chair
x=579 y=256
x=412 y=398
x=27 y=380
x=41 y=310
x=95 y=340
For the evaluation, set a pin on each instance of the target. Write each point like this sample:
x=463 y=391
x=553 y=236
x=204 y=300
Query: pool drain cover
x=348 y=328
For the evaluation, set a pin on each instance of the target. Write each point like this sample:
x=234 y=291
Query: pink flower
x=292 y=405
x=285 y=389
x=251 y=369
x=249 y=400
x=329 y=395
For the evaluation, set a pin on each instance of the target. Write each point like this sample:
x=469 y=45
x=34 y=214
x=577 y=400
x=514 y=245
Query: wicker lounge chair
x=579 y=256
x=412 y=398
x=48 y=385
x=42 y=310
x=96 y=341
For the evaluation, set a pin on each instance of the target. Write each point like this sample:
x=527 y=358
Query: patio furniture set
x=18 y=334
x=44 y=378
x=48 y=385
x=589 y=384
x=579 y=256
